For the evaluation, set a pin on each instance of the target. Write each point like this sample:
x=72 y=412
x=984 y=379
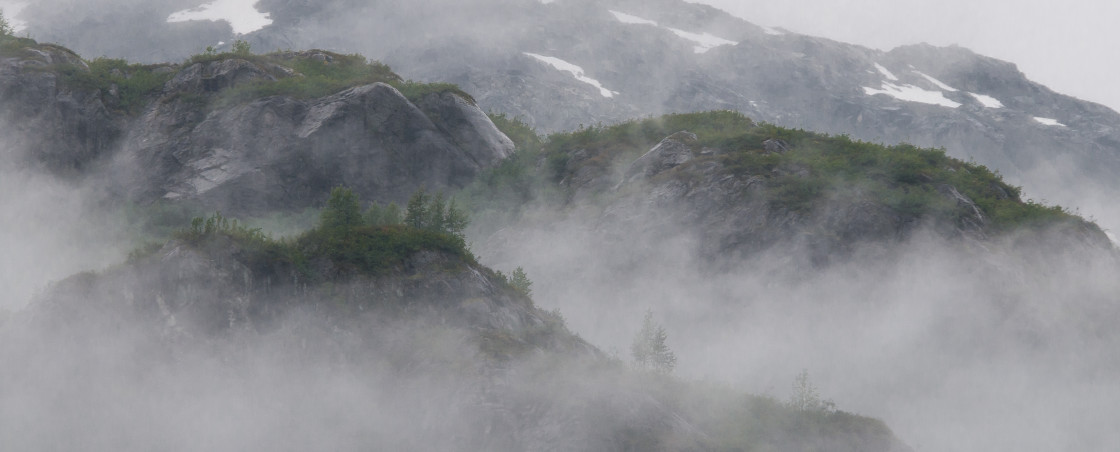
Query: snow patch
x=576 y=72
x=632 y=20
x=242 y=15
x=704 y=41
x=11 y=11
x=886 y=73
x=911 y=93
x=771 y=31
x=987 y=101
x=936 y=82
x=1048 y=121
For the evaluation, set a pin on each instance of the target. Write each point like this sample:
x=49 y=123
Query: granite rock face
x=46 y=124
x=276 y=152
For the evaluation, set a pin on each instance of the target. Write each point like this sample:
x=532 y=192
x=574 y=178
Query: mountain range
x=628 y=156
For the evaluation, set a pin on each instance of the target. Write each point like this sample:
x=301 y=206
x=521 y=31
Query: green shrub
x=343 y=237
x=818 y=168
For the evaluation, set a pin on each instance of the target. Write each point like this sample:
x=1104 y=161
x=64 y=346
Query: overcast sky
x=1072 y=46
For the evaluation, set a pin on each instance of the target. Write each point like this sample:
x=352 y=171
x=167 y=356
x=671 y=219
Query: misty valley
x=542 y=226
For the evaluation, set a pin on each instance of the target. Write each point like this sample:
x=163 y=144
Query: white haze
x=956 y=346
x=1067 y=46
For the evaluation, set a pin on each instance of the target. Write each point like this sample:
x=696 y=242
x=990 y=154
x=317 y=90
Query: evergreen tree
x=416 y=211
x=5 y=26
x=649 y=349
x=805 y=396
x=456 y=220
x=343 y=212
x=520 y=281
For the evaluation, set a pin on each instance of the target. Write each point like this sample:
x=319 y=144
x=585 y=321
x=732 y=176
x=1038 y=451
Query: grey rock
x=673 y=151
x=49 y=124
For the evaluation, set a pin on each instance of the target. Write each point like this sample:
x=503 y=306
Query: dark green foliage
x=342 y=213
x=11 y=46
x=432 y=213
x=388 y=215
x=524 y=138
x=816 y=169
x=317 y=78
x=520 y=281
x=499 y=192
x=242 y=48
x=135 y=84
x=343 y=238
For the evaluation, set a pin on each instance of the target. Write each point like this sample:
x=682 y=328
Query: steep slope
x=565 y=63
x=244 y=343
x=241 y=132
x=744 y=188
x=769 y=249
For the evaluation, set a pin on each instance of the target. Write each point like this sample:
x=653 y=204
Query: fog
x=1060 y=45
x=956 y=344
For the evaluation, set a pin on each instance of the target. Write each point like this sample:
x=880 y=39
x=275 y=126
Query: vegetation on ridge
x=817 y=168
x=345 y=237
x=128 y=87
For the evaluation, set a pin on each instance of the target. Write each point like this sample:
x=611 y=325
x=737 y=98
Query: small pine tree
x=343 y=212
x=456 y=220
x=649 y=349
x=6 y=29
x=520 y=281
x=805 y=396
x=416 y=211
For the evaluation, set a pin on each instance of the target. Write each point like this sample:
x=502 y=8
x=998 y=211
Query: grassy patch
x=318 y=74
x=817 y=168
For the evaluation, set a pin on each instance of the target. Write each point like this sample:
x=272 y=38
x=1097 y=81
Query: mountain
x=914 y=286
x=350 y=337
x=918 y=283
x=561 y=64
x=241 y=132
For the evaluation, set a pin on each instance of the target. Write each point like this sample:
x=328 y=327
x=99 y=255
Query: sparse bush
x=241 y=47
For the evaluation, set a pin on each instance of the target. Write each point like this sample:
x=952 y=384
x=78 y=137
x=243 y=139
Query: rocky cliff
x=241 y=132
x=562 y=64
x=218 y=335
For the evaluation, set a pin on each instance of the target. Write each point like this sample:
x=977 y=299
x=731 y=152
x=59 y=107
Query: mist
x=956 y=344
x=960 y=343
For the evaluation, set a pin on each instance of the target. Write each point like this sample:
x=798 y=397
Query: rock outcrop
x=189 y=140
x=47 y=123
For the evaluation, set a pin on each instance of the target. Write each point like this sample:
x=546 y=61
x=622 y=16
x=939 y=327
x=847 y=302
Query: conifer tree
x=5 y=26
x=649 y=348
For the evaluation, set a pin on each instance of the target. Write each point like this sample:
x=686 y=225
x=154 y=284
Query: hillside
x=239 y=131
x=354 y=335
x=771 y=249
x=564 y=63
x=744 y=188
x=916 y=284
